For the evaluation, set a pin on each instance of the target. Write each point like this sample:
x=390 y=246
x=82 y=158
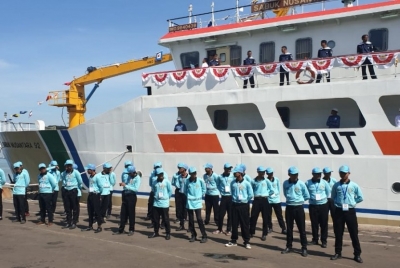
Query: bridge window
x=267 y=52
x=244 y=116
x=236 y=55
x=390 y=105
x=303 y=48
x=379 y=38
x=190 y=60
x=164 y=119
x=284 y=113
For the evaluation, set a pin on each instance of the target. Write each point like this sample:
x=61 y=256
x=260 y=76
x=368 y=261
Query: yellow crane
x=74 y=98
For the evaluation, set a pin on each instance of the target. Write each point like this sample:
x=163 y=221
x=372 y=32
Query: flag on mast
x=30 y=113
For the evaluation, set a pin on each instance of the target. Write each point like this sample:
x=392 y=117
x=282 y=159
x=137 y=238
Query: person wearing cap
x=21 y=182
x=124 y=177
x=106 y=180
x=262 y=189
x=47 y=184
x=72 y=180
x=318 y=206
x=331 y=181
x=242 y=193
x=128 y=205
x=346 y=194
x=93 y=199
x=182 y=178
x=178 y=197
x=296 y=193
x=152 y=178
x=334 y=119
x=195 y=189
x=2 y=182
x=249 y=180
x=180 y=126
x=162 y=190
x=211 y=198
x=275 y=201
x=53 y=170
x=78 y=199
x=397 y=120
x=113 y=180
x=26 y=173
x=225 y=206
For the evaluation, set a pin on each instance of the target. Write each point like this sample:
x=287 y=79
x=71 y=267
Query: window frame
x=273 y=52
x=231 y=58
x=287 y=110
x=195 y=64
x=385 y=42
x=217 y=123
x=296 y=48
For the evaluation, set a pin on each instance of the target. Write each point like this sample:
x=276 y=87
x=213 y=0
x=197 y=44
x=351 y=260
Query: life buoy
x=312 y=76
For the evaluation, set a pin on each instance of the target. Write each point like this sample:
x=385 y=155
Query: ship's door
x=224 y=55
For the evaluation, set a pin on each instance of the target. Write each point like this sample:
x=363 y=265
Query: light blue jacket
x=124 y=176
x=22 y=181
x=71 y=180
x=94 y=185
x=175 y=180
x=322 y=188
x=133 y=184
x=162 y=193
x=276 y=197
x=181 y=182
x=105 y=180
x=295 y=193
x=211 y=184
x=113 y=180
x=247 y=178
x=242 y=192
x=47 y=183
x=153 y=177
x=331 y=182
x=353 y=194
x=2 y=178
x=224 y=181
x=262 y=188
x=57 y=175
x=194 y=191
x=79 y=192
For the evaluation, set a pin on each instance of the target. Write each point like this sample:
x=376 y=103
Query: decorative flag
x=16 y=115
x=39 y=102
x=30 y=113
x=23 y=112
x=48 y=97
x=67 y=83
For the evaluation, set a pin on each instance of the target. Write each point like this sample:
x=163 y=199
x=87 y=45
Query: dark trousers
x=282 y=75
x=19 y=206
x=319 y=219
x=26 y=201
x=370 y=69
x=332 y=208
x=251 y=78
x=93 y=207
x=78 y=207
x=177 y=203
x=45 y=204
x=278 y=213
x=63 y=191
x=295 y=214
x=1 y=202
x=128 y=210
x=225 y=207
x=350 y=218
x=182 y=209
x=319 y=77
x=71 y=201
x=150 y=206
x=105 y=199
x=240 y=215
x=164 y=214
x=191 y=213
x=109 y=209
x=212 y=202
x=54 y=201
x=260 y=204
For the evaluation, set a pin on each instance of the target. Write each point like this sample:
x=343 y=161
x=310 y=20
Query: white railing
x=12 y=126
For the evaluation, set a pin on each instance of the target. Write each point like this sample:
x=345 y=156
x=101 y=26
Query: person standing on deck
x=178 y=198
x=211 y=198
x=275 y=201
x=225 y=206
x=182 y=178
x=47 y=183
x=2 y=182
x=324 y=52
x=113 y=180
x=72 y=180
x=285 y=56
x=21 y=181
x=334 y=119
x=204 y=63
x=53 y=170
x=366 y=47
x=180 y=126
x=93 y=200
x=331 y=181
x=214 y=61
x=249 y=61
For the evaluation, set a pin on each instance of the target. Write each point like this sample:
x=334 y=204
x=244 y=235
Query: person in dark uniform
x=334 y=119
x=285 y=56
x=182 y=178
x=346 y=195
x=249 y=61
x=324 y=52
x=214 y=61
x=366 y=47
x=93 y=199
x=275 y=201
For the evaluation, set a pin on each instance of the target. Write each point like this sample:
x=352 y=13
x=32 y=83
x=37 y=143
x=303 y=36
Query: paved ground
x=29 y=246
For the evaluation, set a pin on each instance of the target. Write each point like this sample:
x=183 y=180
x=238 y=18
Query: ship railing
x=8 y=126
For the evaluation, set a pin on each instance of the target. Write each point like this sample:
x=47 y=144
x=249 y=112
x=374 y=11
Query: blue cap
x=227 y=165
x=51 y=167
x=53 y=163
x=344 y=169
x=239 y=169
x=69 y=162
x=131 y=169
x=16 y=165
x=261 y=169
x=243 y=166
x=42 y=165
x=19 y=163
x=192 y=170
x=327 y=170
x=75 y=166
x=128 y=163
x=159 y=171
x=91 y=167
x=157 y=165
x=269 y=170
x=208 y=165
x=293 y=170
x=181 y=165
x=107 y=165
x=316 y=170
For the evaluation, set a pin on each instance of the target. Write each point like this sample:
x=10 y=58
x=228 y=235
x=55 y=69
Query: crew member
x=324 y=52
x=53 y=170
x=214 y=61
x=195 y=189
x=334 y=119
x=79 y=195
x=182 y=178
x=93 y=200
x=262 y=189
x=128 y=206
x=107 y=180
x=366 y=47
x=124 y=177
x=180 y=126
x=225 y=206
x=211 y=198
x=249 y=61
x=285 y=56
x=205 y=63
x=331 y=181
x=242 y=193
x=346 y=195
x=296 y=193
x=2 y=182
x=275 y=201
x=113 y=180
x=318 y=208
x=152 y=179
x=47 y=184
x=23 y=170
x=162 y=190
x=176 y=184
x=72 y=180
x=21 y=181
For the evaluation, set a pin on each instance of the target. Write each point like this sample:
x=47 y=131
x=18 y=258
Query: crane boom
x=75 y=99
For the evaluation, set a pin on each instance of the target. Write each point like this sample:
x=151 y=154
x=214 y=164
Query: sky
x=45 y=43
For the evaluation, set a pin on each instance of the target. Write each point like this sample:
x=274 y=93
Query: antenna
x=190 y=13
x=237 y=10
x=212 y=14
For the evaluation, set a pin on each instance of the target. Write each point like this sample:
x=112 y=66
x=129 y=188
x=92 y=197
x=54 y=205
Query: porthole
x=396 y=187
x=331 y=44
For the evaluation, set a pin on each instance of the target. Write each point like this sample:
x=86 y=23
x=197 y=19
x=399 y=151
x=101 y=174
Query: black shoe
x=358 y=259
x=251 y=235
x=313 y=242
x=162 y=227
x=206 y=223
x=108 y=216
x=147 y=218
x=66 y=226
x=118 y=233
x=336 y=257
x=192 y=239
x=180 y=228
x=263 y=238
x=304 y=252
x=23 y=222
x=87 y=229
x=168 y=237
x=73 y=226
x=203 y=240
x=98 y=230
x=130 y=233
x=16 y=220
x=286 y=251
x=1 y=218
x=153 y=235
x=150 y=226
x=288 y=83
x=270 y=230
x=323 y=245
x=177 y=221
x=284 y=231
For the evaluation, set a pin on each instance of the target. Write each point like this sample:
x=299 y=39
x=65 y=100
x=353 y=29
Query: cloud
x=4 y=64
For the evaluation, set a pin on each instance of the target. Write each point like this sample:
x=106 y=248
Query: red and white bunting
x=220 y=73
x=244 y=72
x=294 y=66
x=160 y=78
x=269 y=69
x=198 y=74
x=179 y=77
x=145 y=77
x=322 y=66
x=351 y=61
x=383 y=60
